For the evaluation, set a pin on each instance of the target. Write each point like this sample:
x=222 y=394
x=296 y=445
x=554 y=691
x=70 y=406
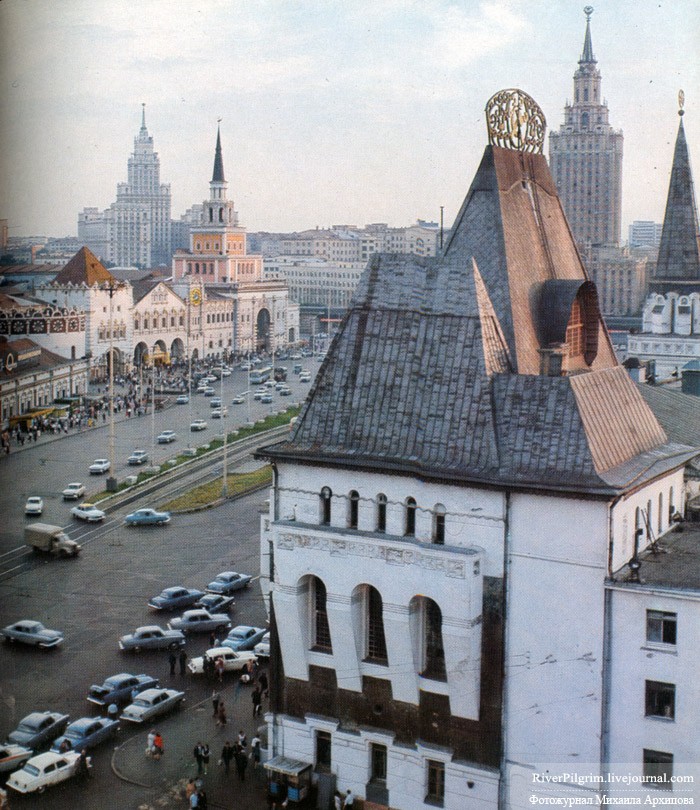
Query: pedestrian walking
x=264 y=688
x=349 y=799
x=203 y=803
x=215 y=698
x=227 y=754
x=221 y=719
x=198 y=752
x=172 y=658
x=183 y=661
x=150 y=739
x=257 y=700
x=190 y=789
x=219 y=666
x=205 y=757
x=242 y=739
x=194 y=801
x=158 y=747
x=255 y=751
x=241 y=764
x=337 y=801
x=84 y=763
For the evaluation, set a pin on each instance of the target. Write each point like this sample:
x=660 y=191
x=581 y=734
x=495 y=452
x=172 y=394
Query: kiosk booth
x=289 y=778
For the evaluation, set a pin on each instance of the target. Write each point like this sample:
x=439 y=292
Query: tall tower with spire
x=138 y=222
x=585 y=157
x=678 y=264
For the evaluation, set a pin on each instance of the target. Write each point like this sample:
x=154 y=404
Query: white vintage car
x=12 y=756
x=44 y=770
x=151 y=703
x=233 y=661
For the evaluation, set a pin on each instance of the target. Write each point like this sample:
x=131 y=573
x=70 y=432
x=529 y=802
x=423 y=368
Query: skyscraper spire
x=679 y=251
x=218 y=175
x=144 y=131
x=587 y=55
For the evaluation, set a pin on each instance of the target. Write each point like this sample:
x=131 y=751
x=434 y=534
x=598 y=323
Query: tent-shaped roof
x=84 y=268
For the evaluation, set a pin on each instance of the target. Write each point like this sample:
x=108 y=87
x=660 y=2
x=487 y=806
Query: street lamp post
x=111 y=483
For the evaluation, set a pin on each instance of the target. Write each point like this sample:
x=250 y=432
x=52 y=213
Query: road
x=47 y=467
x=103 y=594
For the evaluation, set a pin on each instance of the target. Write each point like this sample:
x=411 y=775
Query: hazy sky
x=332 y=112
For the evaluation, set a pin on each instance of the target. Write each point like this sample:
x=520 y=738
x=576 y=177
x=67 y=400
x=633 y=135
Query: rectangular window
x=377 y=763
x=323 y=751
x=436 y=783
x=660 y=699
x=658 y=769
x=661 y=627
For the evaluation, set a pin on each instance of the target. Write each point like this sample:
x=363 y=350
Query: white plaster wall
x=466 y=786
x=634 y=661
x=554 y=629
x=399 y=568
x=475 y=518
x=625 y=510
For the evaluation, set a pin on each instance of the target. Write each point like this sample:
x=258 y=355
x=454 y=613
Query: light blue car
x=147 y=517
x=33 y=633
x=228 y=581
x=86 y=732
x=243 y=637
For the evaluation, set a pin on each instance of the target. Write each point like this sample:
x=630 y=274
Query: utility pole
x=111 y=483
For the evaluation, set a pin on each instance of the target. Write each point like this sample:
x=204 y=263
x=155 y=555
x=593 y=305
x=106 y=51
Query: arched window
x=584 y=120
x=326 y=496
x=320 y=630
x=671 y=507
x=649 y=522
x=211 y=215
x=376 y=642
x=221 y=214
x=660 y=514
x=426 y=631
x=353 y=509
x=410 y=524
x=381 y=513
x=439 y=524
x=585 y=94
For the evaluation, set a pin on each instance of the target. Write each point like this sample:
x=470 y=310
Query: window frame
x=666 y=619
x=323 y=741
x=660 y=700
x=435 y=782
x=653 y=763
x=378 y=763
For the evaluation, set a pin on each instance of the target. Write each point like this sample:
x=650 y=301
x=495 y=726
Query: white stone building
x=471 y=470
x=33 y=378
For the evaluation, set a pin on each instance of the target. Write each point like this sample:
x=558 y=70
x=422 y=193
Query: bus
x=260 y=375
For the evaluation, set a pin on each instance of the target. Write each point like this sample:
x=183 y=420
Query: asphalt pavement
x=165 y=779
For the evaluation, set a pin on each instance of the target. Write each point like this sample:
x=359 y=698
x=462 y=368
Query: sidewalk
x=165 y=779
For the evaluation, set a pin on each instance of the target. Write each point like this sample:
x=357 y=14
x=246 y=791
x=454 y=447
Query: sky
x=332 y=111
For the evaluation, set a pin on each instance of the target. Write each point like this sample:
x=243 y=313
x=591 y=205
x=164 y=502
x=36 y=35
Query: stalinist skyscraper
x=585 y=157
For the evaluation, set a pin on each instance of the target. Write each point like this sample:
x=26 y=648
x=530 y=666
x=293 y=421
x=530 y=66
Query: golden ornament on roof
x=515 y=121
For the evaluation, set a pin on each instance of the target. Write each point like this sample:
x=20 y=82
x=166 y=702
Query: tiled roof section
x=513 y=224
x=679 y=249
x=84 y=268
x=540 y=435
x=618 y=423
x=142 y=287
x=496 y=354
x=403 y=386
x=678 y=413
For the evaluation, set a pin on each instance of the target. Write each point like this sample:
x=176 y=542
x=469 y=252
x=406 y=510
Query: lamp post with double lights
x=111 y=482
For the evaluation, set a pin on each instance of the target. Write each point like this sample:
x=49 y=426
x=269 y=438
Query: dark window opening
x=322 y=630
x=354 y=509
x=661 y=627
x=378 y=763
x=436 y=782
x=323 y=751
x=376 y=641
x=658 y=769
x=434 y=650
x=660 y=700
x=381 y=513
x=326 y=496
x=410 y=529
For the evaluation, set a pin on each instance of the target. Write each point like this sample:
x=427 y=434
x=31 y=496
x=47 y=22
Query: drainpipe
x=502 y=784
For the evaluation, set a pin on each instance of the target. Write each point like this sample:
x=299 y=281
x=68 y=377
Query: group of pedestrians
x=174 y=659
